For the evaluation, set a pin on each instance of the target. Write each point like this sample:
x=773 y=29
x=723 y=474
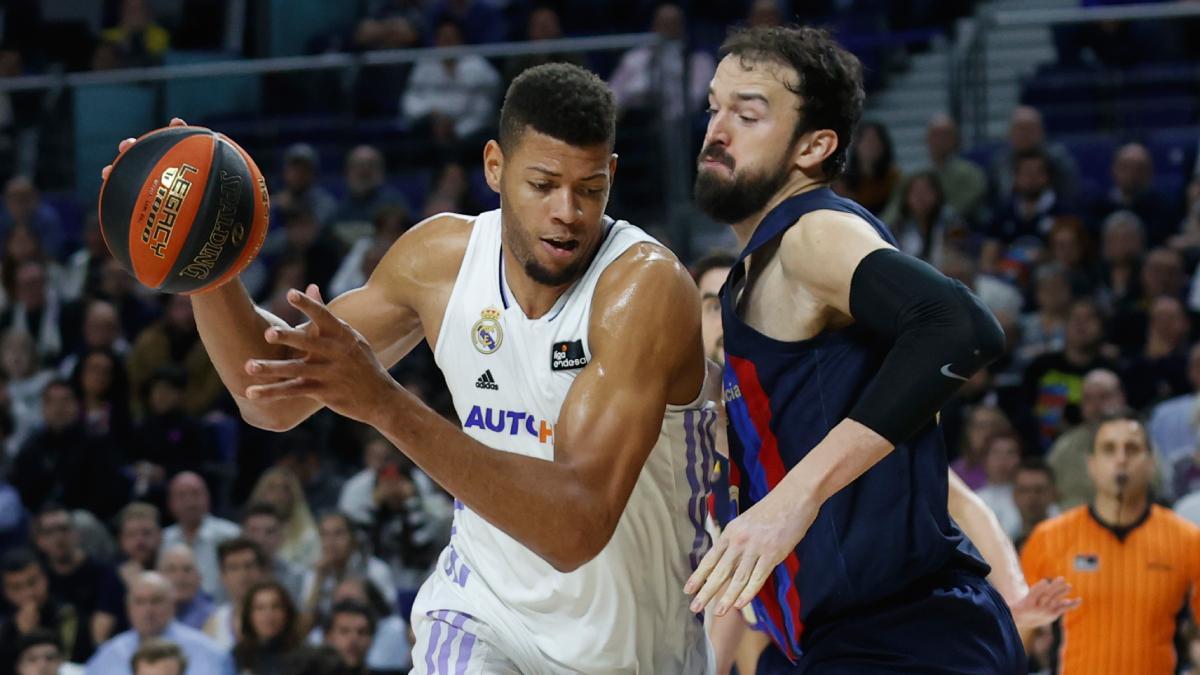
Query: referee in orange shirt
x=1133 y=563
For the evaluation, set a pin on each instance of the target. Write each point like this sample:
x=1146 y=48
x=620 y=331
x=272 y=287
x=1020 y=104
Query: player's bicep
x=645 y=318
x=822 y=252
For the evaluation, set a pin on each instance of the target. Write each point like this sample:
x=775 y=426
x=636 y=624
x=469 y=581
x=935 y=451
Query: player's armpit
x=646 y=353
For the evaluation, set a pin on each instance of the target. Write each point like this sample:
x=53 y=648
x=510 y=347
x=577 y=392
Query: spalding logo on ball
x=184 y=209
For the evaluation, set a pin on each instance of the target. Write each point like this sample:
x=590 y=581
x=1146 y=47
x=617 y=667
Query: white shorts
x=456 y=643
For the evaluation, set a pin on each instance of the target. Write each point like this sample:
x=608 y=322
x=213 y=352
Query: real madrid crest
x=487 y=334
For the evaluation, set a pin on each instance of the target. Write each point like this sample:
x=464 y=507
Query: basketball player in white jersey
x=571 y=345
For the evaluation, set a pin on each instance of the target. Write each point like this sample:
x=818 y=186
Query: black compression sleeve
x=943 y=334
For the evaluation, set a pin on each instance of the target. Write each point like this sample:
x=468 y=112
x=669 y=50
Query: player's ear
x=493 y=164
x=814 y=148
x=612 y=169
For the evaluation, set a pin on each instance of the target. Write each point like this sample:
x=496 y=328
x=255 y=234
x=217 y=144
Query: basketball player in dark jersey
x=839 y=352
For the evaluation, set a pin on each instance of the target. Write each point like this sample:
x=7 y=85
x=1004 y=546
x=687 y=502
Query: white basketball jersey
x=625 y=610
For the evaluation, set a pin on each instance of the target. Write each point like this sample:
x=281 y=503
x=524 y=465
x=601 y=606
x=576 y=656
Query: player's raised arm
x=644 y=336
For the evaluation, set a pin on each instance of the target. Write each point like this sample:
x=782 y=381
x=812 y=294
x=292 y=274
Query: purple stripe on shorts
x=433 y=639
x=464 y=653
x=689 y=430
x=456 y=628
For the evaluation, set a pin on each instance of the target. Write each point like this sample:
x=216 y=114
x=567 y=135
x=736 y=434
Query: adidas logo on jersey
x=486 y=381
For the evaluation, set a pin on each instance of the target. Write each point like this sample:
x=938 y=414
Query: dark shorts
x=954 y=625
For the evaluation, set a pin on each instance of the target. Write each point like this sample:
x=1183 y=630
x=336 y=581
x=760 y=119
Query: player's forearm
x=232 y=329
x=846 y=452
x=545 y=505
x=983 y=529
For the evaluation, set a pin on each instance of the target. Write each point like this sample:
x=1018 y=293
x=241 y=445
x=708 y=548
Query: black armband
x=943 y=334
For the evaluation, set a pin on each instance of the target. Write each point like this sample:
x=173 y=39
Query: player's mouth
x=559 y=248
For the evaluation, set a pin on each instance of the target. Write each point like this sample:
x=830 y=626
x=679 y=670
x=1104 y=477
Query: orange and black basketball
x=184 y=209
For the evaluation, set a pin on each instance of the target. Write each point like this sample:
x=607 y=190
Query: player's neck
x=1120 y=513
x=799 y=183
x=533 y=298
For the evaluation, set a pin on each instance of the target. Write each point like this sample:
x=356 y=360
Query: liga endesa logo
x=511 y=422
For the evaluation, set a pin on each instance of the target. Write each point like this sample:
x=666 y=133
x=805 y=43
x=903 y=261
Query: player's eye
x=747 y=119
x=540 y=187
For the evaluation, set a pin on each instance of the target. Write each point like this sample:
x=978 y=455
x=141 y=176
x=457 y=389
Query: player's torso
x=509 y=376
x=1132 y=591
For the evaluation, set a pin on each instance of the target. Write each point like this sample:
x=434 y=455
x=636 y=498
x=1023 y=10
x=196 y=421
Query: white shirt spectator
x=390 y=650
x=374 y=569
x=1173 y=429
x=634 y=82
x=465 y=90
x=211 y=533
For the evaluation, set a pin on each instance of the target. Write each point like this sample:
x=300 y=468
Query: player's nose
x=564 y=206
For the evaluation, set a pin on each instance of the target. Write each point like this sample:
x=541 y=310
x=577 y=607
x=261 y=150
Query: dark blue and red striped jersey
x=887 y=529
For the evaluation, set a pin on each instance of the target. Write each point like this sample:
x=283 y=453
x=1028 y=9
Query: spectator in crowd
x=168 y=440
x=366 y=191
x=342 y=555
x=23 y=208
x=279 y=488
x=120 y=288
x=1123 y=248
x=871 y=173
x=89 y=585
x=189 y=502
x=81 y=272
x=93 y=481
x=410 y=520
x=1174 y=425
x=1159 y=372
x=964 y=183
x=350 y=631
x=243 y=564
x=390 y=24
x=1030 y=208
x=1133 y=563
x=12 y=512
x=151 y=608
x=391 y=650
x=1027 y=133
x=999 y=296
x=983 y=422
x=924 y=223
x=451 y=193
x=543 y=24
x=272 y=642
x=1035 y=495
x=764 y=13
x=453 y=99
x=159 y=657
x=356 y=266
x=141 y=42
x=262 y=525
x=1185 y=475
x=174 y=340
x=36 y=309
x=1133 y=190
x=1070 y=245
x=193 y=606
x=357 y=499
x=634 y=84
x=710 y=273
x=1044 y=331
x=1001 y=461
x=304 y=238
x=481 y=21
x=101 y=331
x=1053 y=382
x=28 y=606
x=1101 y=395
x=139 y=537
x=26 y=385
x=303 y=453
x=103 y=391
x=301 y=167
x=1162 y=273
x=40 y=652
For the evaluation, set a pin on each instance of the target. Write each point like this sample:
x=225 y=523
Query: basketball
x=184 y=210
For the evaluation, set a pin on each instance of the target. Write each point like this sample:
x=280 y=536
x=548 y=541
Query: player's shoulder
x=432 y=248
x=646 y=264
x=826 y=236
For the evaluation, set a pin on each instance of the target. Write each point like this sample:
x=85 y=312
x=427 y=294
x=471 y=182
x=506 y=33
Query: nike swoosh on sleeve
x=948 y=373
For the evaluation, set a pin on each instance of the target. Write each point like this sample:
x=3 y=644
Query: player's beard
x=522 y=243
x=745 y=194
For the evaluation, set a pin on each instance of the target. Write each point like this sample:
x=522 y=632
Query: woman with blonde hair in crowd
x=281 y=489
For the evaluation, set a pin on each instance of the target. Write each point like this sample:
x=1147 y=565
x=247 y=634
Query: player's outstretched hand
x=334 y=364
x=124 y=145
x=1046 y=601
x=742 y=558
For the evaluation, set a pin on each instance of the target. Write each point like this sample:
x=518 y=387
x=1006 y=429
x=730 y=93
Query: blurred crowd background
x=135 y=503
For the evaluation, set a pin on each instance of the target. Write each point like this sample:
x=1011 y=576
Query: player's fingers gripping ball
x=184 y=209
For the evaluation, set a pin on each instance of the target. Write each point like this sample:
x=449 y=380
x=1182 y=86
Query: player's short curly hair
x=830 y=79
x=562 y=101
